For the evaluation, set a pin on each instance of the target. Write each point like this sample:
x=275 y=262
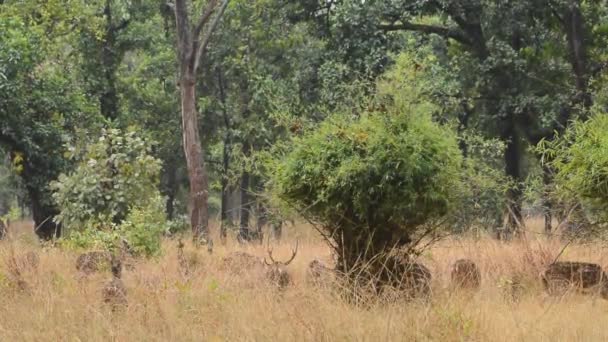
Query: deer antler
x=293 y=254
x=274 y=262
x=271 y=258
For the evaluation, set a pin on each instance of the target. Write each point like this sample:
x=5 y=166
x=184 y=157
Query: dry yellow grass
x=215 y=305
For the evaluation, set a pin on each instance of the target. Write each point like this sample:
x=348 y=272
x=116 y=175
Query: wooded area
x=384 y=125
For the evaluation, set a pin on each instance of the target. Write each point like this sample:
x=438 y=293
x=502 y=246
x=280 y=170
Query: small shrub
x=112 y=194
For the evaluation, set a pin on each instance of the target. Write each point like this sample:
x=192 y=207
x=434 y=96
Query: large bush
x=113 y=193
x=371 y=182
x=580 y=160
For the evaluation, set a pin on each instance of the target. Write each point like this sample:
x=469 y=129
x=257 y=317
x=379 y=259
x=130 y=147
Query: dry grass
x=212 y=304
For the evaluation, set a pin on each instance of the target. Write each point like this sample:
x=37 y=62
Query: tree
x=372 y=183
x=514 y=85
x=40 y=102
x=192 y=41
x=112 y=193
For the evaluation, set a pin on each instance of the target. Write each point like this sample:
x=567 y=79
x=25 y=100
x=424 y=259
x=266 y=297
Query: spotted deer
x=276 y=272
x=583 y=277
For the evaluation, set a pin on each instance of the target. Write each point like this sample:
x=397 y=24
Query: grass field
x=216 y=305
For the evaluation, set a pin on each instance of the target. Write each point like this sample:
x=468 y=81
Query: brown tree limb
x=207 y=12
x=207 y=36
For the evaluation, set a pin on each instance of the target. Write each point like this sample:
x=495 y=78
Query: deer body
x=115 y=292
x=91 y=262
x=465 y=274
x=583 y=276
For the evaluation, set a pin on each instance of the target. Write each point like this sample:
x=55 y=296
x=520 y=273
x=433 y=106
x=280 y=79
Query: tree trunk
x=108 y=99
x=225 y=191
x=170 y=187
x=43 y=216
x=261 y=220
x=575 y=33
x=225 y=158
x=197 y=174
x=190 y=50
x=513 y=169
x=244 y=231
x=277 y=230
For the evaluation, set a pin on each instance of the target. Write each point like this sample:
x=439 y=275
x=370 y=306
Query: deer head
x=276 y=272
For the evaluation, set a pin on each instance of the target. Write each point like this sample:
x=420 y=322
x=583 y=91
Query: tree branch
x=438 y=30
x=207 y=12
x=207 y=36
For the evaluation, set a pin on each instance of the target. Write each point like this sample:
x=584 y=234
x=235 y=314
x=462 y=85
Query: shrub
x=143 y=227
x=372 y=182
x=113 y=192
x=580 y=160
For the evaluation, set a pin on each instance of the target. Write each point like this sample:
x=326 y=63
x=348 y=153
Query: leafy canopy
x=375 y=172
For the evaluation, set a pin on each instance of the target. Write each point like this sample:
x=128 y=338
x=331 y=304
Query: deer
x=318 y=273
x=465 y=274
x=91 y=262
x=115 y=292
x=583 y=276
x=276 y=272
x=238 y=261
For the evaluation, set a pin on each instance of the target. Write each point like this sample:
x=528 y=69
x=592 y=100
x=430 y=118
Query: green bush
x=372 y=182
x=580 y=160
x=143 y=227
x=112 y=193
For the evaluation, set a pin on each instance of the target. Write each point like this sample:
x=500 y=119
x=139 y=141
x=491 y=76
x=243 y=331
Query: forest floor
x=213 y=304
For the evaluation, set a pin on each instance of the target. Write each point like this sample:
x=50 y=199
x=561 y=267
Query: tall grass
x=214 y=304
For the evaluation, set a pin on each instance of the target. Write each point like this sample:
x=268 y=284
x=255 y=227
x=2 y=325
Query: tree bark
x=512 y=158
x=108 y=99
x=225 y=159
x=225 y=206
x=575 y=33
x=244 y=231
x=197 y=173
x=192 y=41
x=170 y=187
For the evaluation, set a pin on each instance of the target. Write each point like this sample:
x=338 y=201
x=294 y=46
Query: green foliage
x=483 y=200
x=372 y=177
x=114 y=188
x=143 y=227
x=580 y=160
x=91 y=238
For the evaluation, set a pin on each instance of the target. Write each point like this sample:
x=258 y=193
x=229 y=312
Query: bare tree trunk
x=261 y=220
x=575 y=32
x=244 y=231
x=225 y=158
x=513 y=169
x=224 y=210
x=169 y=186
x=192 y=41
x=197 y=174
